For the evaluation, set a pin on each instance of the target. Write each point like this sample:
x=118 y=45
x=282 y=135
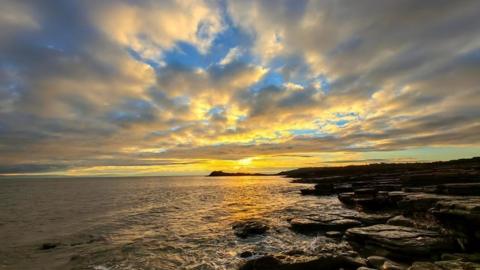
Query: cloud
x=147 y=26
x=90 y=86
x=231 y=56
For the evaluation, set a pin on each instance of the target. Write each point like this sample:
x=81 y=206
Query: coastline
x=406 y=216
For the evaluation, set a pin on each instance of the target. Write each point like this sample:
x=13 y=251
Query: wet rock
x=245 y=254
x=321 y=189
x=324 y=188
x=435 y=178
x=308 y=191
x=336 y=220
x=401 y=221
x=371 y=219
x=295 y=252
x=371 y=199
x=325 y=245
x=322 y=223
x=367 y=199
x=399 y=241
x=396 y=196
x=376 y=261
x=379 y=262
x=420 y=202
x=424 y=266
x=341 y=188
x=470 y=257
x=279 y=262
x=462 y=189
x=347 y=198
x=49 y=245
x=378 y=202
x=247 y=228
x=457 y=265
x=334 y=234
x=462 y=216
x=365 y=192
x=390 y=265
x=263 y=263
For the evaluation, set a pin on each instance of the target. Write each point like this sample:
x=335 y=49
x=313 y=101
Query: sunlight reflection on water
x=149 y=223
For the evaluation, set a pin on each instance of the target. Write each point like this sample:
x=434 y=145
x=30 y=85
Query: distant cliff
x=312 y=172
x=222 y=173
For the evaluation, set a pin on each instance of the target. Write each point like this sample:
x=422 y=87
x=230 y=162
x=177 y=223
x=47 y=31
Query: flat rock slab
x=251 y=227
x=400 y=241
x=465 y=207
x=336 y=220
x=306 y=225
x=401 y=221
x=421 y=202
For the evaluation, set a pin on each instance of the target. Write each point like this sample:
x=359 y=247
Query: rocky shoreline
x=428 y=219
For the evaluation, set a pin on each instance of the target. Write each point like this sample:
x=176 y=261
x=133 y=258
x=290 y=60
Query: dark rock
x=321 y=189
x=470 y=257
x=347 y=198
x=420 y=202
x=48 y=245
x=396 y=196
x=401 y=221
x=398 y=241
x=324 y=223
x=390 y=265
x=334 y=234
x=462 y=216
x=325 y=188
x=457 y=264
x=373 y=203
x=435 y=178
x=424 y=266
x=376 y=200
x=363 y=217
x=462 y=189
x=295 y=252
x=369 y=199
x=262 y=263
x=342 y=188
x=372 y=219
x=247 y=228
x=308 y=191
x=376 y=261
x=246 y=254
x=336 y=220
x=328 y=262
x=365 y=192
x=379 y=262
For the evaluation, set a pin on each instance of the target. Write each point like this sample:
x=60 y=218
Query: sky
x=182 y=87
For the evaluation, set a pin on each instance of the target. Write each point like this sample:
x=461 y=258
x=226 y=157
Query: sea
x=147 y=222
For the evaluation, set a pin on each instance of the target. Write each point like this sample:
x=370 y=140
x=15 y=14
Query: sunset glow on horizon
x=145 y=87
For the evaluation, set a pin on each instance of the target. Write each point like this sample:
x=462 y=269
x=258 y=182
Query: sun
x=245 y=161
